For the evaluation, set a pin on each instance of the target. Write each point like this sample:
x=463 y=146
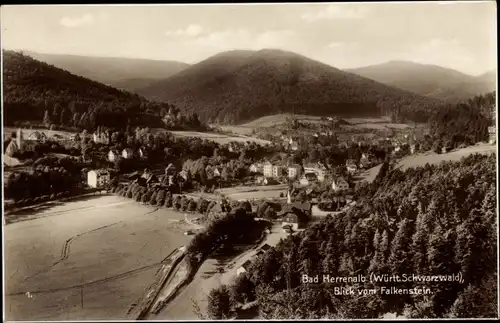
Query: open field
x=11 y=161
x=217 y=137
x=276 y=119
x=368 y=175
x=378 y=126
x=109 y=245
x=433 y=158
x=254 y=192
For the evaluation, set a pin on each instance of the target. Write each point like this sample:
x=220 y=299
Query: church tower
x=19 y=139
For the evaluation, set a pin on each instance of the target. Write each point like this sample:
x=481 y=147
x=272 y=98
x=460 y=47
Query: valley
x=202 y=162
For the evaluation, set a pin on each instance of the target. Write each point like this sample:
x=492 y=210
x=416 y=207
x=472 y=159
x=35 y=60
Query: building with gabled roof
x=296 y=214
x=127 y=153
x=98 y=178
x=243 y=268
x=113 y=155
x=11 y=149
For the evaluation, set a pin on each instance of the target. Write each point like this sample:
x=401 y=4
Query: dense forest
x=432 y=220
x=464 y=123
x=239 y=86
x=40 y=93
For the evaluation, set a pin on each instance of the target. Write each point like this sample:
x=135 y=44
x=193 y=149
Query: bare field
x=240 y=130
x=273 y=120
x=110 y=245
x=254 y=192
x=433 y=158
x=217 y=137
x=368 y=120
x=379 y=126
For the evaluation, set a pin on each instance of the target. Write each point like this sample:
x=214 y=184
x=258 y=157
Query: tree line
x=465 y=123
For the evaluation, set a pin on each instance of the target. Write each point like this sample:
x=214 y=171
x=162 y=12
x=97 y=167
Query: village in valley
x=145 y=189
x=285 y=184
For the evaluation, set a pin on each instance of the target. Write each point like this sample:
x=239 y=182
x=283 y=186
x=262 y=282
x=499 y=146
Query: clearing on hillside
x=433 y=158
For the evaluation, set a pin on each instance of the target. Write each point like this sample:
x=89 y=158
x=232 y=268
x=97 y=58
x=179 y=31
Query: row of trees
x=161 y=197
x=432 y=220
x=44 y=180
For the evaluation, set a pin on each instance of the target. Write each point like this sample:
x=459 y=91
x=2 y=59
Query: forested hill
x=430 y=80
x=464 y=123
x=36 y=91
x=239 y=86
x=433 y=220
x=122 y=73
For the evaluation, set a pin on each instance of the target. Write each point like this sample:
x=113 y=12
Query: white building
x=352 y=168
x=98 y=178
x=19 y=139
x=268 y=170
x=492 y=135
x=101 y=138
x=256 y=168
x=278 y=171
x=319 y=170
x=294 y=171
x=113 y=155
x=127 y=153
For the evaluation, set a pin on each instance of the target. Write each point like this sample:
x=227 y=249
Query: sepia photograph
x=253 y=161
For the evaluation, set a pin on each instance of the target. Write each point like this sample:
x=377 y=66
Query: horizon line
x=252 y=50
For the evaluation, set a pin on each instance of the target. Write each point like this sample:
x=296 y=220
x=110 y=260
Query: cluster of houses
x=126 y=153
x=306 y=176
x=290 y=143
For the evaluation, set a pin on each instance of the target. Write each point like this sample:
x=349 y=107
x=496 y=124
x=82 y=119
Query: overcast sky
x=456 y=35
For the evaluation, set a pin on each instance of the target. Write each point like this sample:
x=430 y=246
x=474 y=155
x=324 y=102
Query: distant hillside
x=124 y=73
x=239 y=86
x=488 y=77
x=36 y=91
x=430 y=80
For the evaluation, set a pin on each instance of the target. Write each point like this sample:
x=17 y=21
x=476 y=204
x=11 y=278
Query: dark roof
x=265 y=247
x=246 y=264
x=293 y=207
x=271 y=180
x=311 y=176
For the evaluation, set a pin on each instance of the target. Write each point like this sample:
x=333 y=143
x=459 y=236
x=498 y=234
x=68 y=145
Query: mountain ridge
x=428 y=79
x=113 y=71
x=228 y=89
